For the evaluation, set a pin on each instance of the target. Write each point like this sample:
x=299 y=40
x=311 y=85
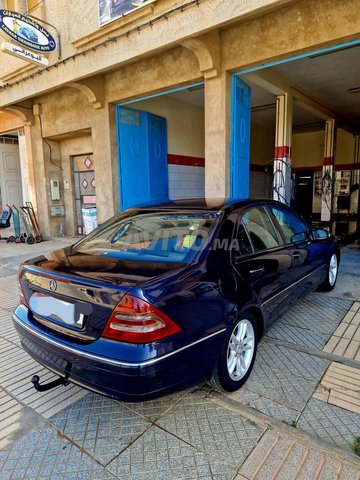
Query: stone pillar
x=217 y=135
x=27 y=168
x=328 y=171
x=282 y=156
x=103 y=130
x=39 y=169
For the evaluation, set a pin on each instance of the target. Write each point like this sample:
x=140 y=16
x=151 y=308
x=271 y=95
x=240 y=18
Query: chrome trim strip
x=109 y=361
x=295 y=283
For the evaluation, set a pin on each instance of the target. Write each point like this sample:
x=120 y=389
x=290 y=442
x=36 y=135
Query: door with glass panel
x=84 y=187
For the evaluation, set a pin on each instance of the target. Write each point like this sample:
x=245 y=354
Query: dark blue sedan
x=162 y=297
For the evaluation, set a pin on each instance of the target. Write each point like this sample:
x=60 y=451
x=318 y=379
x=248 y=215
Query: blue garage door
x=143 y=169
x=240 y=139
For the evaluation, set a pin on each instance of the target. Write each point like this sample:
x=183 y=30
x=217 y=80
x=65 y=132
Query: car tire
x=237 y=354
x=331 y=274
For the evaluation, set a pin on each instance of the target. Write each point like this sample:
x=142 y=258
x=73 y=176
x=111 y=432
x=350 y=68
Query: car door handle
x=297 y=255
x=256 y=272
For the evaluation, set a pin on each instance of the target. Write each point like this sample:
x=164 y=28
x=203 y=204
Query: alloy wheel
x=240 y=350
x=333 y=269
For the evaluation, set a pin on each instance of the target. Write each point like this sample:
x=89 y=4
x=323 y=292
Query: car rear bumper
x=116 y=378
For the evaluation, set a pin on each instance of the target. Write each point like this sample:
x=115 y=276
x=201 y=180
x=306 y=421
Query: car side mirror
x=321 y=234
x=299 y=237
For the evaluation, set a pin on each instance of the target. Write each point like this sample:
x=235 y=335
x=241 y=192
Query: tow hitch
x=48 y=386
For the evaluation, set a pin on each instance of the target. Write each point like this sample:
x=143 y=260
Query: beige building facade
x=177 y=60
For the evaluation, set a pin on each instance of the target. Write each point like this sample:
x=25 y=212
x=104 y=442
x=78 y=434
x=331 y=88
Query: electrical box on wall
x=55 y=189
x=342 y=182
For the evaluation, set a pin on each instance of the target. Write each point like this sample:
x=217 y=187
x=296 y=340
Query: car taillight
x=136 y=321
x=21 y=292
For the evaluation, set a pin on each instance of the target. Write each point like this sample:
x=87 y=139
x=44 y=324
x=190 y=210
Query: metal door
x=143 y=169
x=10 y=174
x=84 y=182
x=158 y=166
x=240 y=139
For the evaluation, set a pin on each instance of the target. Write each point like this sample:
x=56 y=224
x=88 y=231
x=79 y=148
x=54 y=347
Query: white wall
x=186 y=182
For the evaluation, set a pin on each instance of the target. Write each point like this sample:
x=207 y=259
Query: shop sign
x=23 y=54
x=111 y=9
x=26 y=31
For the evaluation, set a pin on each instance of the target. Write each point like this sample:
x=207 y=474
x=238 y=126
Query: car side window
x=261 y=230
x=290 y=224
x=243 y=245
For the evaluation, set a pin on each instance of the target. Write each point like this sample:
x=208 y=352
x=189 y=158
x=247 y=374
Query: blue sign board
x=26 y=31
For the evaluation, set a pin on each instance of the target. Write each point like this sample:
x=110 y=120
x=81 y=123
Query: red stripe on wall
x=185 y=160
x=328 y=160
x=282 y=152
x=347 y=166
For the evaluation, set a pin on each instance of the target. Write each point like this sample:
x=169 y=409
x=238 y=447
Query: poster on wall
x=111 y=9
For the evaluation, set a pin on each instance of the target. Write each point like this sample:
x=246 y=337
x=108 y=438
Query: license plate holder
x=57 y=310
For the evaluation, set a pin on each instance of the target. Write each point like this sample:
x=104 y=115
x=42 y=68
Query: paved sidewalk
x=296 y=418
x=12 y=254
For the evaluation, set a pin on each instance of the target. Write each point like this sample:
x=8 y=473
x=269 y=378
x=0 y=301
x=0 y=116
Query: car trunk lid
x=74 y=294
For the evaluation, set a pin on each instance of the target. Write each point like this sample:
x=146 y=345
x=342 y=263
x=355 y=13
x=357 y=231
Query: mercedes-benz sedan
x=162 y=297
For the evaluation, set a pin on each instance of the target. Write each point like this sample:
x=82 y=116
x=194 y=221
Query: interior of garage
x=331 y=82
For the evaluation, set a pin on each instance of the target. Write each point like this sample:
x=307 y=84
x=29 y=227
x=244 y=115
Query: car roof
x=205 y=204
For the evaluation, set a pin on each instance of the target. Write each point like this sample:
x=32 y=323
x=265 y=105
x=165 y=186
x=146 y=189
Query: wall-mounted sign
x=57 y=211
x=26 y=31
x=23 y=54
x=111 y=9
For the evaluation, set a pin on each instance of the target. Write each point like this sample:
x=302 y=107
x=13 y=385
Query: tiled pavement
x=340 y=386
x=330 y=423
x=11 y=254
x=303 y=326
x=346 y=339
x=280 y=456
x=68 y=433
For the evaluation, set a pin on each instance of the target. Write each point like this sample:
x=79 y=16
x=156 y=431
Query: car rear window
x=151 y=237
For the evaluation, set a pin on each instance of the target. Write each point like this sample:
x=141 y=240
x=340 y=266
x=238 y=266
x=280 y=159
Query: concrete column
x=328 y=171
x=27 y=167
x=282 y=155
x=217 y=135
x=39 y=166
x=103 y=131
